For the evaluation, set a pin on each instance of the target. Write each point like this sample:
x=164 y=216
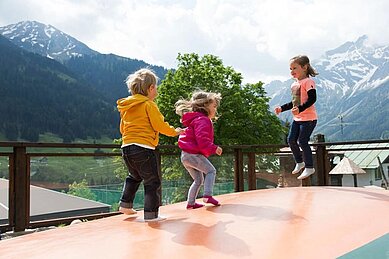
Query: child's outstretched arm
x=158 y=122
x=277 y=110
x=284 y=107
x=179 y=130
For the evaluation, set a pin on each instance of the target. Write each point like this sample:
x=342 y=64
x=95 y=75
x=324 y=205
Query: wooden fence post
x=252 y=179
x=21 y=188
x=238 y=170
x=322 y=162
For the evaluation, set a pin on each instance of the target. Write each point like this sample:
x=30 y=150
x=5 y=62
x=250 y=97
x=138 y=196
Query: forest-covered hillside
x=107 y=73
x=40 y=95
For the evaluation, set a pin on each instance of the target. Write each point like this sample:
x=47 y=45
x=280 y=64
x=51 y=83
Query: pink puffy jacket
x=198 y=135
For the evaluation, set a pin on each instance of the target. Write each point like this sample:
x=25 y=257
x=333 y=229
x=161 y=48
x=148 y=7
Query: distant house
x=49 y=204
x=366 y=160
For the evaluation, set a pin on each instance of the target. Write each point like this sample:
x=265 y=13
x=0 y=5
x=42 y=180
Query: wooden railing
x=19 y=155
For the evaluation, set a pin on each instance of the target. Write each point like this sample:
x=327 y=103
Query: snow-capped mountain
x=352 y=85
x=45 y=40
x=106 y=72
x=352 y=89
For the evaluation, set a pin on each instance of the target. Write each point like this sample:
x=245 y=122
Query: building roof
x=49 y=204
x=365 y=159
x=347 y=166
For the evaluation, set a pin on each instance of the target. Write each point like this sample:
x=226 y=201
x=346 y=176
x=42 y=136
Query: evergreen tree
x=40 y=95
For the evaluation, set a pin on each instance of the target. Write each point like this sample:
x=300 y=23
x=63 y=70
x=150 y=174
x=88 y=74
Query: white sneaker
x=298 y=167
x=127 y=211
x=307 y=172
x=159 y=218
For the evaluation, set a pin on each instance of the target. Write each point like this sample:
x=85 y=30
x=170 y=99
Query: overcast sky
x=256 y=38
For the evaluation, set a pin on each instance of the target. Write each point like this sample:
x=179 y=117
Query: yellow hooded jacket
x=141 y=121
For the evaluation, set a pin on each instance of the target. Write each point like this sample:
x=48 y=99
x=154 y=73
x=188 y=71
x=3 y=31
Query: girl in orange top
x=304 y=114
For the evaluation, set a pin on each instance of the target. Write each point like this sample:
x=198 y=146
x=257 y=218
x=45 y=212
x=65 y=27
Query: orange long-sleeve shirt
x=141 y=121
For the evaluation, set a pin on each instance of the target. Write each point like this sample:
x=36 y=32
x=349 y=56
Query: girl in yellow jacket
x=140 y=125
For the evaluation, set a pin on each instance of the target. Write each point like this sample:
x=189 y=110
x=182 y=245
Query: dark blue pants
x=142 y=166
x=299 y=134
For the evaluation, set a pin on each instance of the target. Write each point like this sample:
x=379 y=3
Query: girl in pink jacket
x=197 y=144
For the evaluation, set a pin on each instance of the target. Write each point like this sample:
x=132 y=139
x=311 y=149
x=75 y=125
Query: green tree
x=244 y=116
x=81 y=190
x=11 y=131
x=244 y=111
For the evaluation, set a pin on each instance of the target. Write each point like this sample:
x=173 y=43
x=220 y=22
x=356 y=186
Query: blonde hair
x=198 y=103
x=140 y=81
x=303 y=60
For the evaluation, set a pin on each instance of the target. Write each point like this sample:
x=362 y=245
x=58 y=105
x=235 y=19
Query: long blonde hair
x=303 y=60
x=140 y=81
x=198 y=103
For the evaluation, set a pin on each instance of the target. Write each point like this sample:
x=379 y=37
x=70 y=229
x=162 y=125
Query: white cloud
x=257 y=38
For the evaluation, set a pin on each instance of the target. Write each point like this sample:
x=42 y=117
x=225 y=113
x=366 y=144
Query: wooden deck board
x=301 y=222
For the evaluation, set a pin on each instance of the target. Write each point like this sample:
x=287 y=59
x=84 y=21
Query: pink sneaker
x=194 y=206
x=210 y=199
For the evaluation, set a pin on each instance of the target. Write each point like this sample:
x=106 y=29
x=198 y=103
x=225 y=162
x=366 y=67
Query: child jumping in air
x=140 y=125
x=304 y=114
x=197 y=144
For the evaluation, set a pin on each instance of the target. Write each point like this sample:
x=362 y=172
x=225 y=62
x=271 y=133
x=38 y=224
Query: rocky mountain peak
x=45 y=40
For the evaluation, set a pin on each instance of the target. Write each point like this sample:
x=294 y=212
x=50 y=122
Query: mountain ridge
x=45 y=40
x=49 y=98
x=106 y=72
x=352 y=84
x=97 y=76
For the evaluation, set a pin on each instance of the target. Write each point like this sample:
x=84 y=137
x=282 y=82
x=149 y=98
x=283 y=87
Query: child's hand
x=219 y=151
x=179 y=131
x=277 y=110
x=295 y=110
